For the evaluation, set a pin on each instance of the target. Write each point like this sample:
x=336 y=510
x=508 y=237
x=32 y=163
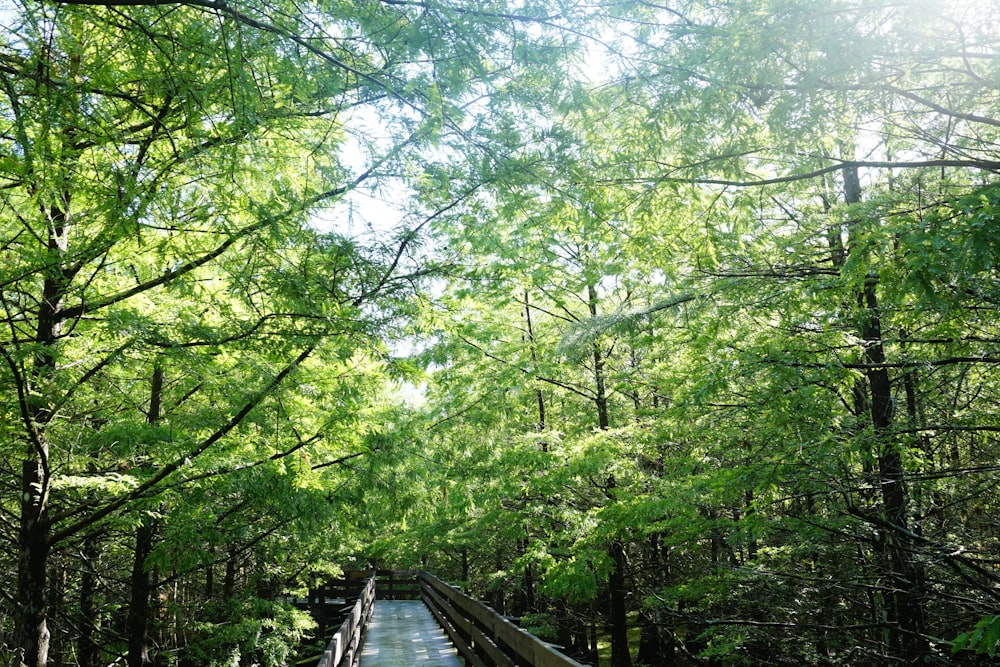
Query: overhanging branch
x=983 y=165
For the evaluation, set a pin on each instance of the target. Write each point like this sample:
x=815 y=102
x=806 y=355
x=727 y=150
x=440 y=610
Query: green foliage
x=983 y=639
x=161 y=169
x=952 y=249
x=682 y=244
x=540 y=625
x=576 y=579
x=254 y=632
x=661 y=314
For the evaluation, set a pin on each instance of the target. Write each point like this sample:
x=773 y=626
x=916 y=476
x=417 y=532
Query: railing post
x=349 y=638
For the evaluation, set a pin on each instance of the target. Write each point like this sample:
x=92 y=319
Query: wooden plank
x=343 y=643
x=366 y=601
x=518 y=641
x=461 y=622
x=469 y=607
x=497 y=635
x=485 y=650
x=542 y=654
x=483 y=637
x=546 y=656
x=481 y=642
x=406 y=634
x=468 y=630
x=493 y=653
x=467 y=652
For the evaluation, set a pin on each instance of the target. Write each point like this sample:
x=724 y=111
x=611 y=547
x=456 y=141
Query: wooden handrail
x=344 y=650
x=398 y=584
x=484 y=637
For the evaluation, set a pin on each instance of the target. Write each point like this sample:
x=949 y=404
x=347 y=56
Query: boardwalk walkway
x=402 y=633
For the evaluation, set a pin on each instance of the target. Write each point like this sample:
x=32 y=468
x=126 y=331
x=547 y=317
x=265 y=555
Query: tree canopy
x=697 y=299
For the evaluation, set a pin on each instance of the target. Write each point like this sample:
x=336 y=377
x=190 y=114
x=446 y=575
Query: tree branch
x=226 y=9
x=985 y=165
x=169 y=469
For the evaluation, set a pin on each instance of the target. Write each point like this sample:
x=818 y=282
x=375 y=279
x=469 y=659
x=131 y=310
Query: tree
x=161 y=163
x=816 y=75
x=782 y=174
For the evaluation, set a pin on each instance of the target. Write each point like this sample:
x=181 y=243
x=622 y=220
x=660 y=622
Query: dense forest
x=671 y=327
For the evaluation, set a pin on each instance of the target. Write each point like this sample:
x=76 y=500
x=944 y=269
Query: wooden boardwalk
x=444 y=628
x=403 y=633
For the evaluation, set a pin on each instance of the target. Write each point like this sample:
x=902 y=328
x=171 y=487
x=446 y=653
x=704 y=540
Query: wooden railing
x=482 y=636
x=398 y=584
x=344 y=650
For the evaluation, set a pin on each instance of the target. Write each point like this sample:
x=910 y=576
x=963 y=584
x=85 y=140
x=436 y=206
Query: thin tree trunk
x=600 y=388
x=656 y=642
x=210 y=574
x=620 y=656
x=229 y=581
x=905 y=594
x=137 y=623
x=86 y=646
x=540 y=397
x=528 y=579
x=32 y=631
x=529 y=587
x=34 y=526
x=592 y=656
x=617 y=592
x=905 y=609
x=524 y=601
x=58 y=650
x=617 y=596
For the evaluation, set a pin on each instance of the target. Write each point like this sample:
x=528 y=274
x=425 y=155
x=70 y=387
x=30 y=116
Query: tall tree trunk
x=59 y=651
x=34 y=525
x=593 y=656
x=905 y=608
x=137 y=623
x=749 y=511
x=600 y=388
x=229 y=580
x=656 y=642
x=656 y=647
x=620 y=656
x=617 y=592
x=31 y=618
x=617 y=596
x=528 y=579
x=905 y=595
x=31 y=615
x=524 y=595
x=910 y=382
x=633 y=358
x=210 y=574
x=539 y=396
x=498 y=598
x=89 y=652
x=529 y=586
